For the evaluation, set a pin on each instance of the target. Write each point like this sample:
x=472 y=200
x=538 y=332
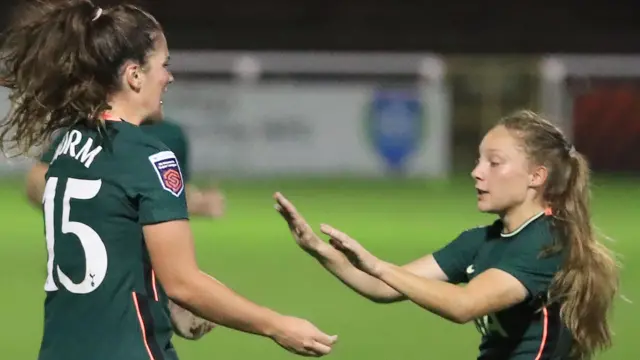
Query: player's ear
x=538 y=176
x=133 y=75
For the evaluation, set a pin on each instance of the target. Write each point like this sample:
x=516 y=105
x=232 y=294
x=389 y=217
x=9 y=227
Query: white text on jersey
x=69 y=146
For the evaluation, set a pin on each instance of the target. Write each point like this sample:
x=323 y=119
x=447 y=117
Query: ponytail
x=588 y=282
x=61 y=59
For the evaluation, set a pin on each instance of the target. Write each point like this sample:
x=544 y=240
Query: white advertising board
x=310 y=128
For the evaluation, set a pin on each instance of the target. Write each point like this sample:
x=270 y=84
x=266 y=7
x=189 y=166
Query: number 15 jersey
x=103 y=301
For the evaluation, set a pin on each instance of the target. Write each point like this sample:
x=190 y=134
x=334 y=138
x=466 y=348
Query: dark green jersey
x=103 y=301
x=170 y=133
x=529 y=330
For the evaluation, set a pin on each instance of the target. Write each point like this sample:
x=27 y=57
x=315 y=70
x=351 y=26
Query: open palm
x=360 y=257
x=300 y=229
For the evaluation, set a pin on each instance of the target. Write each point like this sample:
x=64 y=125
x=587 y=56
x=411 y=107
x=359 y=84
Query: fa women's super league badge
x=395 y=125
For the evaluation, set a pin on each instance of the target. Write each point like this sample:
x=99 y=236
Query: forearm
x=208 y=298
x=35 y=183
x=34 y=194
x=439 y=297
x=362 y=283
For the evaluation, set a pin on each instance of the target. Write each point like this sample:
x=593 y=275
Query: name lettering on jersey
x=70 y=144
x=166 y=166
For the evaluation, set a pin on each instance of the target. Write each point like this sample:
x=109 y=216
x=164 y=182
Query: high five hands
x=310 y=242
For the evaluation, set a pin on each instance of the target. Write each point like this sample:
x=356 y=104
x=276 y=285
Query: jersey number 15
x=94 y=249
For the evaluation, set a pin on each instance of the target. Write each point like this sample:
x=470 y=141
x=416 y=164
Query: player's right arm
x=36 y=182
x=163 y=214
x=338 y=265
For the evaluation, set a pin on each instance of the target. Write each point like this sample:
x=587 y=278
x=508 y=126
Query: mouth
x=481 y=192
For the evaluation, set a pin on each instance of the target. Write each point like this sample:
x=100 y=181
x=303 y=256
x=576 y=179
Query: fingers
x=285 y=204
x=326 y=339
x=285 y=207
x=286 y=215
x=336 y=244
x=318 y=348
x=337 y=237
x=290 y=213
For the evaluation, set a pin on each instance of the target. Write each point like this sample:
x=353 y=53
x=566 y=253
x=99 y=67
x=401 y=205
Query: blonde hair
x=587 y=283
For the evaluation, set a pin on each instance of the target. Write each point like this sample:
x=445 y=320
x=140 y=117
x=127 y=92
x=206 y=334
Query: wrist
x=320 y=249
x=381 y=269
x=271 y=325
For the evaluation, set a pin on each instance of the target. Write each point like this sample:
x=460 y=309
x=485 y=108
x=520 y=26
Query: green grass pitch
x=251 y=250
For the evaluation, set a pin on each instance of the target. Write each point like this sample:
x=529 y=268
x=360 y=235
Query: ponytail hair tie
x=97 y=15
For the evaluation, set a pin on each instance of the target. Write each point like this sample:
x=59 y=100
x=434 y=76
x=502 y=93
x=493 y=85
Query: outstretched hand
x=360 y=257
x=300 y=229
x=312 y=243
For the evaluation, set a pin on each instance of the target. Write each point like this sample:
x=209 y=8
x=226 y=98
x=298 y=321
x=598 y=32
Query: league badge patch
x=168 y=170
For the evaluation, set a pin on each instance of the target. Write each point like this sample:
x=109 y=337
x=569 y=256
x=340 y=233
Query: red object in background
x=606 y=126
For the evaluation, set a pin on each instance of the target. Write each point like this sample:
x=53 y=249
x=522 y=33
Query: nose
x=476 y=173
x=170 y=78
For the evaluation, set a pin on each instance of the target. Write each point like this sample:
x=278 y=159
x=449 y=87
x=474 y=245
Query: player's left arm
x=489 y=292
x=521 y=273
x=200 y=202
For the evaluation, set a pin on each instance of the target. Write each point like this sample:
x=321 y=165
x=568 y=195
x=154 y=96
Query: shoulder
x=170 y=124
x=163 y=126
x=538 y=235
x=537 y=243
x=134 y=149
x=144 y=144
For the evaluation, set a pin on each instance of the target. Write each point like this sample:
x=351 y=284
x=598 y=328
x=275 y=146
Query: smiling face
x=503 y=174
x=156 y=77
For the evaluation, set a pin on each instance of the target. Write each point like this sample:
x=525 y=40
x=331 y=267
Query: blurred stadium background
x=368 y=115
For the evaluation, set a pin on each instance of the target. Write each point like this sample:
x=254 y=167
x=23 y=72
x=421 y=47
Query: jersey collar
x=521 y=227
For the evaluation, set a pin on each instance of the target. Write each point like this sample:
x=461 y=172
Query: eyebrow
x=492 y=152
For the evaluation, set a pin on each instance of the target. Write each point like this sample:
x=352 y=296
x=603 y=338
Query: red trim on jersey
x=107 y=116
x=144 y=335
x=153 y=285
x=545 y=328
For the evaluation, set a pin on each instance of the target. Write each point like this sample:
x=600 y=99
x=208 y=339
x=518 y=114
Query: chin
x=156 y=116
x=487 y=208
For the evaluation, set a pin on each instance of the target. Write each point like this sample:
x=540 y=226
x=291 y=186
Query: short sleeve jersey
x=529 y=330
x=172 y=135
x=103 y=301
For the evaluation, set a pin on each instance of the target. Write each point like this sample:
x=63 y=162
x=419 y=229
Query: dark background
x=440 y=26
x=492 y=49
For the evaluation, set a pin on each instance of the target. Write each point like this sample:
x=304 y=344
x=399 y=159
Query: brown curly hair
x=61 y=59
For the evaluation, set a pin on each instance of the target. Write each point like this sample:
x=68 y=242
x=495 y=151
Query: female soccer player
x=539 y=283
x=114 y=206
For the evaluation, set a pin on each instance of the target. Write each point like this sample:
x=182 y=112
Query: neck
x=514 y=218
x=125 y=111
